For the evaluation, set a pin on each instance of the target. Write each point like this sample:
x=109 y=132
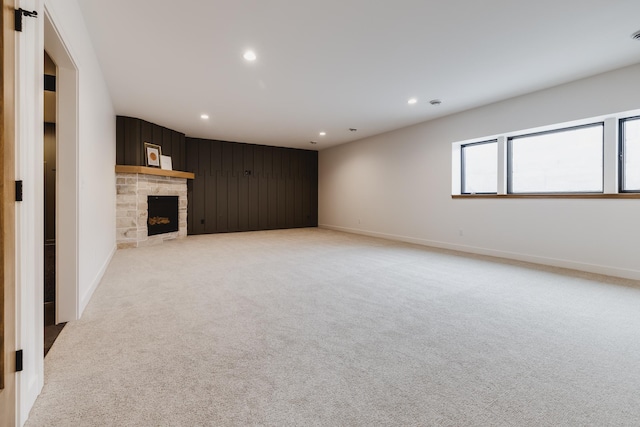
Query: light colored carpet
x=315 y=327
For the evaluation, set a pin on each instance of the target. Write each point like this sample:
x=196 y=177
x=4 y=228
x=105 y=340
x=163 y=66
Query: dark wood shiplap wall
x=132 y=133
x=242 y=187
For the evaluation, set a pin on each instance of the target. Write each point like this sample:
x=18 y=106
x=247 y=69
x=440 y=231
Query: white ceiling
x=331 y=65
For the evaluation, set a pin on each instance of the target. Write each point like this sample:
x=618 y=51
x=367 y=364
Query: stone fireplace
x=134 y=186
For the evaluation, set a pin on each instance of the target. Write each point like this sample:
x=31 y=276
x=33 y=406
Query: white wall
x=86 y=156
x=398 y=185
x=96 y=151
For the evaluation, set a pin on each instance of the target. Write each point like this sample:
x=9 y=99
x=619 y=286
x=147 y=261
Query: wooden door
x=7 y=217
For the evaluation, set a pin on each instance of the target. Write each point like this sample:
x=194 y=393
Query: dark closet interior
x=51 y=330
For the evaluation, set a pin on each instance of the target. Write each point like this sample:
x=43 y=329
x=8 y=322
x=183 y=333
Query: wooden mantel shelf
x=154 y=171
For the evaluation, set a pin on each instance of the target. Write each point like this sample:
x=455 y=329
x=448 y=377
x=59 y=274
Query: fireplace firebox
x=162 y=214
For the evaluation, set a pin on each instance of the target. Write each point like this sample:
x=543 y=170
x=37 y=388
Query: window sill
x=548 y=196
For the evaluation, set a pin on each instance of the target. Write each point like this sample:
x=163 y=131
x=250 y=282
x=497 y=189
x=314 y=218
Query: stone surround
x=132 y=190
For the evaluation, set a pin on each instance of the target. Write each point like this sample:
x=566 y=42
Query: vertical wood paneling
x=146 y=130
x=177 y=151
x=313 y=188
x=132 y=133
x=156 y=135
x=272 y=201
x=296 y=161
x=254 y=206
x=276 y=156
x=247 y=157
x=210 y=203
x=250 y=187
x=285 y=163
x=258 y=160
x=167 y=145
x=267 y=161
x=243 y=202
x=290 y=200
x=282 y=202
x=306 y=205
x=298 y=205
x=214 y=157
x=227 y=157
x=263 y=203
x=204 y=155
x=222 y=200
x=133 y=152
x=238 y=160
x=233 y=213
x=120 y=150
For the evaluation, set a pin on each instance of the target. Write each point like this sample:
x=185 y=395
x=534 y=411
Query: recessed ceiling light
x=323 y=133
x=412 y=101
x=204 y=116
x=249 y=55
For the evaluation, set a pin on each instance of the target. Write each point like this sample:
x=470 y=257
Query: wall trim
x=84 y=301
x=534 y=259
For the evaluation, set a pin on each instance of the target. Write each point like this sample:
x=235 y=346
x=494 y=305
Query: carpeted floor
x=315 y=327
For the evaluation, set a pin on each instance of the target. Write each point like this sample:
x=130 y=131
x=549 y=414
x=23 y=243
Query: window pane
x=480 y=168
x=631 y=150
x=568 y=160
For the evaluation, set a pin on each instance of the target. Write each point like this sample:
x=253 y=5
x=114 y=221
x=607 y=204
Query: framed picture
x=152 y=153
x=165 y=163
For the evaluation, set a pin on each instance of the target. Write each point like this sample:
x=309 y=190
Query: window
x=480 y=168
x=562 y=161
x=596 y=157
x=630 y=158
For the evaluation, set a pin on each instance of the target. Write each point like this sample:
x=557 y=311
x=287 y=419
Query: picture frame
x=152 y=155
x=165 y=162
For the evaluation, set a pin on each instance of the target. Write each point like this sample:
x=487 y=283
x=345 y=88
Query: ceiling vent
x=636 y=35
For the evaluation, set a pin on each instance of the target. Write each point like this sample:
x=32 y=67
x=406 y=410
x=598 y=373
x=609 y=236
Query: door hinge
x=19 y=13
x=18 y=191
x=19 y=361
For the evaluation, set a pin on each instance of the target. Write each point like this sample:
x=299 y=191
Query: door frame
x=67 y=175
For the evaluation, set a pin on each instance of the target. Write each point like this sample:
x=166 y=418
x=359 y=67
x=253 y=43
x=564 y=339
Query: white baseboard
x=84 y=301
x=535 y=259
